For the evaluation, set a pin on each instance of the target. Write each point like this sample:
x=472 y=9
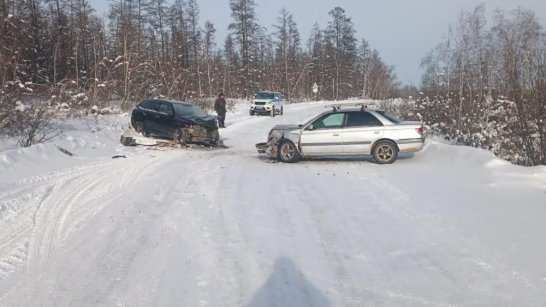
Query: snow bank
x=83 y=140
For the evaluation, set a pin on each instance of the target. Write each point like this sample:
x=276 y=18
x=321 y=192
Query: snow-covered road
x=447 y=226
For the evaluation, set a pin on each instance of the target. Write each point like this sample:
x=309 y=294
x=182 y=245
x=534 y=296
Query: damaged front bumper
x=262 y=148
x=200 y=134
x=269 y=148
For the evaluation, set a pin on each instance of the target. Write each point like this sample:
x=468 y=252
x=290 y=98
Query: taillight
x=420 y=130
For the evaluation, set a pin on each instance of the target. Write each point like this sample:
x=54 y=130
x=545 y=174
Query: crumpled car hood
x=207 y=121
x=286 y=127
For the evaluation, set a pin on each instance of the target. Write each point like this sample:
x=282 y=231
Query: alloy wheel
x=288 y=153
x=385 y=152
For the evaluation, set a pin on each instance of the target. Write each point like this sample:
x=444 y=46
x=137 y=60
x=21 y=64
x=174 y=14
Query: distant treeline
x=149 y=48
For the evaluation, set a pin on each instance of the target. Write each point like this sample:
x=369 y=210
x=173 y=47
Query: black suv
x=180 y=121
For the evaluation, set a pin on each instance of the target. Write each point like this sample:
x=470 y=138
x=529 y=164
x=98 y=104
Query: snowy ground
x=446 y=226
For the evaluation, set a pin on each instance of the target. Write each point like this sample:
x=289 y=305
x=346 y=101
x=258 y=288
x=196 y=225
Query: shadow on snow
x=288 y=287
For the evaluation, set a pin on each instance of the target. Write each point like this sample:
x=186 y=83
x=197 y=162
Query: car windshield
x=393 y=119
x=188 y=110
x=311 y=119
x=263 y=95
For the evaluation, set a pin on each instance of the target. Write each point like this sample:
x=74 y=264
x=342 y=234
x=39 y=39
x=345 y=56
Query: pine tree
x=244 y=29
x=341 y=49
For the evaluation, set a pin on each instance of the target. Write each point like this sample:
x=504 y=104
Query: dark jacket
x=220 y=106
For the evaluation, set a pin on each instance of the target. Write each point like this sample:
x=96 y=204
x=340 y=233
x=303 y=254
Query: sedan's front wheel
x=385 y=152
x=288 y=153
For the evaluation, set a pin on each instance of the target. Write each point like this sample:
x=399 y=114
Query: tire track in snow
x=43 y=210
x=445 y=241
x=50 y=219
x=66 y=209
x=324 y=215
x=381 y=202
x=219 y=242
x=187 y=216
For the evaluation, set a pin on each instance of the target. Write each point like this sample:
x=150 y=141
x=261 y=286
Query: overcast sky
x=402 y=30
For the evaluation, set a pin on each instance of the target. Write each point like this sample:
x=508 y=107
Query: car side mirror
x=310 y=127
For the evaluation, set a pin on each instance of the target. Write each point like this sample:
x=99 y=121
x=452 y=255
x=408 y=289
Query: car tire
x=139 y=128
x=180 y=135
x=385 y=152
x=288 y=153
x=272 y=111
x=251 y=113
x=215 y=135
x=282 y=111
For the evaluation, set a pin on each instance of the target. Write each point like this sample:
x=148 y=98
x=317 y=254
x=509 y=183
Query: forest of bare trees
x=60 y=54
x=151 y=48
x=485 y=84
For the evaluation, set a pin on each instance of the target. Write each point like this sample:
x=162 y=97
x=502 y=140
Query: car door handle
x=377 y=132
x=335 y=134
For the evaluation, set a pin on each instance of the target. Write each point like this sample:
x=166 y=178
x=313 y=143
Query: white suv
x=265 y=102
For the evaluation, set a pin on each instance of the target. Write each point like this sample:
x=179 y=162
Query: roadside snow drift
x=199 y=227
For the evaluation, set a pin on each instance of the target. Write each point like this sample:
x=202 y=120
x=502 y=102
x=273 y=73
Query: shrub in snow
x=37 y=125
x=494 y=125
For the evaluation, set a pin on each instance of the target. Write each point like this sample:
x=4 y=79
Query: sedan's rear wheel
x=385 y=152
x=288 y=153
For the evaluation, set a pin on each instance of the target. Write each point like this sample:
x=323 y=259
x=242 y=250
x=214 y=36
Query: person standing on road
x=220 y=108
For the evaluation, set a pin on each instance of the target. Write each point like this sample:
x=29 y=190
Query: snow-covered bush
x=494 y=125
x=36 y=124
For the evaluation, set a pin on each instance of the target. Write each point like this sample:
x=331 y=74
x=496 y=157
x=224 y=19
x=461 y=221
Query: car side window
x=153 y=105
x=165 y=108
x=330 y=121
x=144 y=105
x=362 y=119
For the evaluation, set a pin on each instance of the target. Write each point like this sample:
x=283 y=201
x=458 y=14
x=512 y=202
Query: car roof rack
x=362 y=105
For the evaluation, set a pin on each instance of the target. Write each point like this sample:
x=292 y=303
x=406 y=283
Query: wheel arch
x=384 y=140
x=136 y=116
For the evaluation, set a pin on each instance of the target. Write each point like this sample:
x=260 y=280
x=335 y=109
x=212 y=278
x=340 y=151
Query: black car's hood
x=207 y=121
x=286 y=127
